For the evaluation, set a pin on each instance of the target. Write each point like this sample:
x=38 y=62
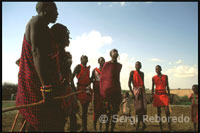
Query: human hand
x=47 y=94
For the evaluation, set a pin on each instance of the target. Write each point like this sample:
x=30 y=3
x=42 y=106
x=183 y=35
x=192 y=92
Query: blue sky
x=164 y=33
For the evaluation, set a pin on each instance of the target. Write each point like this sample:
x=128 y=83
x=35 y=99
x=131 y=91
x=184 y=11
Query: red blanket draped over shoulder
x=140 y=103
x=110 y=87
x=138 y=83
x=160 y=97
x=29 y=83
x=83 y=82
x=137 y=80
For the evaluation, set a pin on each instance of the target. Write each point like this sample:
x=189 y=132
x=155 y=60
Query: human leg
x=159 y=117
x=168 y=117
x=84 y=115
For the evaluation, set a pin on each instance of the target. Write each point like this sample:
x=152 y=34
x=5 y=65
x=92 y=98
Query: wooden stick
x=22 y=126
x=22 y=106
x=38 y=103
x=14 y=123
x=170 y=109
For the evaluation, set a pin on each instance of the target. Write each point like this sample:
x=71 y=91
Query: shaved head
x=43 y=6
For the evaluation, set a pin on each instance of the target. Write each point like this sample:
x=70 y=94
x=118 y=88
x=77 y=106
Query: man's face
x=137 y=66
x=65 y=39
x=195 y=89
x=101 y=61
x=84 y=60
x=52 y=13
x=114 y=54
x=158 y=70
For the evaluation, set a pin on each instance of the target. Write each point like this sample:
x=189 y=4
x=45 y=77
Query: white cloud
x=156 y=60
x=133 y=58
x=88 y=44
x=179 y=61
x=99 y=3
x=182 y=76
x=127 y=66
x=183 y=71
x=170 y=63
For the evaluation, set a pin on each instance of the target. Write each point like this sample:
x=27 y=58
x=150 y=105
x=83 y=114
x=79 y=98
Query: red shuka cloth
x=160 y=97
x=83 y=82
x=29 y=83
x=98 y=100
x=140 y=102
x=137 y=79
x=110 y=87
x=84 y=75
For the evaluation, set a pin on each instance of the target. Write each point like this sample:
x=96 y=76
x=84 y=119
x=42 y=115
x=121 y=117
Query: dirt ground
x=178 y=111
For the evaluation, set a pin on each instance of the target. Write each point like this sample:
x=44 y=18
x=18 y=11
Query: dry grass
x=181 y=92
x=7 y=120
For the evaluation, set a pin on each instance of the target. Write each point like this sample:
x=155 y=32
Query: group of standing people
x=45 y=72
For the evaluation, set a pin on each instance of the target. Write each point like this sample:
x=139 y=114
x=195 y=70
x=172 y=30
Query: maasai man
x=161 y=97
x=97 y=99
x=82 y=72
x=110 y=87
x=39 y=72
x=140 y=103
x=194 y=105
x=61 y=34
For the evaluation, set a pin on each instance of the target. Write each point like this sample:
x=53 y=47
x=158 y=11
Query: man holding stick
x=39 y=73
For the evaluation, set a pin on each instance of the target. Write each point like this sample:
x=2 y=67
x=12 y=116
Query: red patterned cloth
x=138 y=83
x=29 y=87
x=160 y=97
x=83 y=83
x=140 y=102
x=84 y=75
x=137 y=79
x=110 y=87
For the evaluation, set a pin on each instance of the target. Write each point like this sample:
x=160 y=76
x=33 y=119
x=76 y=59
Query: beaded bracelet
x=46 y=88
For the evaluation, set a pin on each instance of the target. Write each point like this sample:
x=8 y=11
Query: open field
x=8 y=117
x=181 y=92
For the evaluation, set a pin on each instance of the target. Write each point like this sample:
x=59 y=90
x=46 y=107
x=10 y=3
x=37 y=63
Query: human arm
x=40 y=41
x=168 y=90
x=130 y=81
x=142 y=76
x=76 y=71
x=152 y=90
x=40 y=48
x=93 y=76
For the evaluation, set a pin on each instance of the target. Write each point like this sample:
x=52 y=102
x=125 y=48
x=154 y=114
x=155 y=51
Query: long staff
x=38 y=103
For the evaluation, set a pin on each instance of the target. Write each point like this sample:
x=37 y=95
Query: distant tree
x=8 y=89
